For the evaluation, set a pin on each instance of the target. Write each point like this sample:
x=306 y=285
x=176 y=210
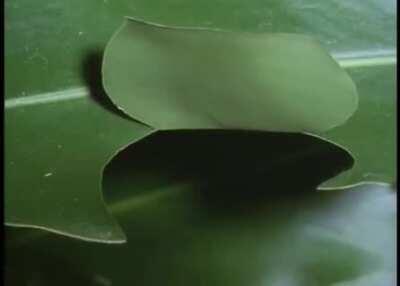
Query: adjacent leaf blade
x=183 y=78
x=54 y=159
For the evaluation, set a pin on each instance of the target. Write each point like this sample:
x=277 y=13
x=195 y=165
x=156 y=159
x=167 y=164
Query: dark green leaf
x=54 y=159
x=238 y=228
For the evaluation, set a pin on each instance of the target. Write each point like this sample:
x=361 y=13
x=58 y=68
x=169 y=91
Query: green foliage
x=210 y=207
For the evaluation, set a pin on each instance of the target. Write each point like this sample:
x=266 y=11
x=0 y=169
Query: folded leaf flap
x=188 y=78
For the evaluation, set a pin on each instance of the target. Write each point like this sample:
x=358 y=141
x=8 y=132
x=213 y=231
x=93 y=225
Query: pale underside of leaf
x=187 y=78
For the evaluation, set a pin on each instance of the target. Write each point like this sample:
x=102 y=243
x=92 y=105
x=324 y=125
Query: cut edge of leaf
x=71 y=235
x=326 y=187
x=321 y=187
x=118 y=235
x=110 y=158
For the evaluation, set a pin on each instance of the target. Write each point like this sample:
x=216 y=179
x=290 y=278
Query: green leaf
x=34 y=66
x=32 y=50
x=370 y=134
x=187 y=78
x=54 y=159
x=174 y=78
x=240 y=227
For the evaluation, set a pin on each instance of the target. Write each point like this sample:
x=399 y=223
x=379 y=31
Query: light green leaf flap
x=54 y=159
x=187 y=78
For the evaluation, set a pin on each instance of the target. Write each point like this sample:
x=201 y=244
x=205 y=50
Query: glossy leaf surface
x=54 y=159
x=370 y=135
x=182 y=78
x=228 y=230
x=47 y=42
